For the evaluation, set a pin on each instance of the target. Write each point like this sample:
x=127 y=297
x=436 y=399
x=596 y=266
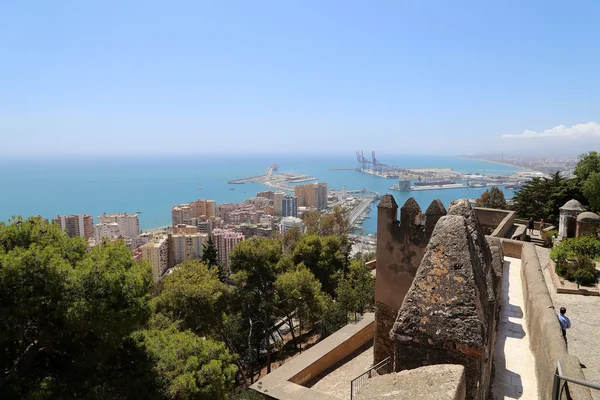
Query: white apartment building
x=156 y=252
x=109 y=230
x=225 y=240
x=187 y=246
x=288 y=223
x=129 y=224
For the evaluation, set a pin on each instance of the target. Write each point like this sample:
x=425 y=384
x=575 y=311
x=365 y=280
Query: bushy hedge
x=574 y=259
x=547 y=237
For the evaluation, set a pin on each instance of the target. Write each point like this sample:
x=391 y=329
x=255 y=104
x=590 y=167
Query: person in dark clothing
x=530 y=226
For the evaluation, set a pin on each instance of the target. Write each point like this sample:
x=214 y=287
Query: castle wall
x=400 y=249
x=449 y=314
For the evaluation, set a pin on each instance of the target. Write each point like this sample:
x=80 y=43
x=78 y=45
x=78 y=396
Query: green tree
x=324 y=257
x=210 y=257
x=542 y=197
x=194 y=295
x=591 y=190
x=356 y=289
x=492 y=198
x=187 y=366
x=291 y=239
x=299 y=295
x=589 y=163
x=256 y=263
x=65 y=313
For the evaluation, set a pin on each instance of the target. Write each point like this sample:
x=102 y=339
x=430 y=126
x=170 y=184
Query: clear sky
x=307 y=76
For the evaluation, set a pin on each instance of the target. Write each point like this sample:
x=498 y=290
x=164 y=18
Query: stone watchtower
x=400 y=249
x=567 y=224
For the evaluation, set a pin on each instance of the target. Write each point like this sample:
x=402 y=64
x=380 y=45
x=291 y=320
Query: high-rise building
x=187 y=229
x=278 y=202
x=129 y=224
x=225 y=240
x=289 y=207
x=288 y=223
x=267 y=194
x=322 y=195
x=76 y=225
x=181 y=214
x=187 y=246
x=203 y=208
x=307 y=195
x=156 y=252
x=108 y=230
x=312 y=195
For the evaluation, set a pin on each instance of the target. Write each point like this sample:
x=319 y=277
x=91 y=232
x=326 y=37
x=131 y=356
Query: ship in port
x=436 y=182
x=514 y=186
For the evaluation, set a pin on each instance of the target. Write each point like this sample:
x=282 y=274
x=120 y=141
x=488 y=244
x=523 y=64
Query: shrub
x=585 y=270
x=547 y=237
x=573 y=247
x=583 y=267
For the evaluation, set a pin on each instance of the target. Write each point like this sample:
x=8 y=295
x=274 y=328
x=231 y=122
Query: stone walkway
x=337 y=382
x=514 y=364
x=584 y=313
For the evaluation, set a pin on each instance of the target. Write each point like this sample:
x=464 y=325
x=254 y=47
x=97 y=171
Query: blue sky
x=122 y=77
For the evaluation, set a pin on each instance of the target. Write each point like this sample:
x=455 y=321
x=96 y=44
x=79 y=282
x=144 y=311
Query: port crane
x=363 y=162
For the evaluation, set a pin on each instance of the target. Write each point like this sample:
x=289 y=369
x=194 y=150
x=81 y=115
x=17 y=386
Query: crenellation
x=400 y=249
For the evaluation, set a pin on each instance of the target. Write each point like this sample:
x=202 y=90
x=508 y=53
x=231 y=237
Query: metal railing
x=557 y=389
x=360 y=380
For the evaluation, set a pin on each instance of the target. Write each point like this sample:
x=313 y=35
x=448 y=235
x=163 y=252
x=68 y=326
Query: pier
x=360 y=209
x=278 y=181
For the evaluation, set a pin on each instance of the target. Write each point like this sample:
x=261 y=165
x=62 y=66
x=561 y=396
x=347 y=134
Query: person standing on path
x=564 y=321
x=542 y=225
x=530 y=225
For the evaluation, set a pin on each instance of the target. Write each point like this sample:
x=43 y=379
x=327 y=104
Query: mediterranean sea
x=151 y=185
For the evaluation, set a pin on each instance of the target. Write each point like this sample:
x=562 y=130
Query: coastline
x=494 y=162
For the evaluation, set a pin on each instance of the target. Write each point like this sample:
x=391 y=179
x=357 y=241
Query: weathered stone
x=435 y=211
x=383 y=345
x=445 y=317
x=434 y=382
x=482 y=251
x=400 y=249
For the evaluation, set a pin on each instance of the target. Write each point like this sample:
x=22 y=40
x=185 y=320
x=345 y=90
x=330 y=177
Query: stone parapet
x=400 y=248
x=434 y=382
x=383 y=345
x=449 y=314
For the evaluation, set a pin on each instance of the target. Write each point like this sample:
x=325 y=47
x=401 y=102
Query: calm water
x=151 y=185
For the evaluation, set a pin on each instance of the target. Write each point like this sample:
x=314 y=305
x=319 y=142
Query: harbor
x=278 y=181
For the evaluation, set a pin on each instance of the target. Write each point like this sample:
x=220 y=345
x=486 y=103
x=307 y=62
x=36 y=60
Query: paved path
x=584 y=313
x=337 y=382
x=514 y=364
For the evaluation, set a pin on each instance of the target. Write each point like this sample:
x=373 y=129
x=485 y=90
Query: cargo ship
x=434 y=182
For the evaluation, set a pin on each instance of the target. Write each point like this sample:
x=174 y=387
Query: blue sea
x=152 y=184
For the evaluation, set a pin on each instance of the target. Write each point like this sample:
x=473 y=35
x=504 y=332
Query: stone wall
x=400 y=249
x=545 y=337
x=495 y=222
x=586 y=228
x=449 y=314
x=434 y=382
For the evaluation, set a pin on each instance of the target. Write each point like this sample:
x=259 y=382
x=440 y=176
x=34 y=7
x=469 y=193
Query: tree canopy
x=542 y=197
x=492 y=198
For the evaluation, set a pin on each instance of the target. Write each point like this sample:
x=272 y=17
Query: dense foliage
x=90 y=323
x=574 y=258
x=492 y=198
x=541 y=198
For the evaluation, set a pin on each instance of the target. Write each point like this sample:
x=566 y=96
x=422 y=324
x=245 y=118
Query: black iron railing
x=560 y=383
x=383 y=366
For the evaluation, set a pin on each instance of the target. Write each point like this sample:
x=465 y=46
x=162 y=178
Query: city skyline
x=141 y=78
